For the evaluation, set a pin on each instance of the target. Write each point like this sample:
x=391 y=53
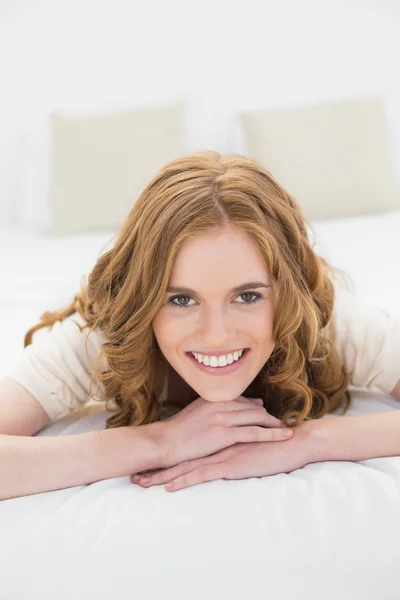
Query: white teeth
x=218 y=361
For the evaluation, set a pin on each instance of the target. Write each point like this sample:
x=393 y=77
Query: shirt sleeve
x=368 y=341
x=56 y=369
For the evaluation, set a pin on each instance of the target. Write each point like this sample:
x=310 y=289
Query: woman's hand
x=203 y=428
x=240 y=461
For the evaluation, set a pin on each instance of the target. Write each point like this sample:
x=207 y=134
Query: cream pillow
x=333 y=158
x=101 y=164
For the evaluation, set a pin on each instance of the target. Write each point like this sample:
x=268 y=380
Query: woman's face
x=219 y=302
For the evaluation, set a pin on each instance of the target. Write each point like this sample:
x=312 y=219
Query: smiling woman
x=212 y=291
x=221 y=319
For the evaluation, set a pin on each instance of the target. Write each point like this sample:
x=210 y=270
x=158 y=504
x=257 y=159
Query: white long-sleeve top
x=56 y=368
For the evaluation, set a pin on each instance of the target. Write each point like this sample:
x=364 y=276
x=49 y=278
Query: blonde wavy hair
x=303 y=378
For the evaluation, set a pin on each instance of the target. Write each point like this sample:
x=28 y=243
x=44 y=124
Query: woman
x=212 y=315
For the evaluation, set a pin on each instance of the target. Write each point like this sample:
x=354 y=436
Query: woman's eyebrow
x=238 y=288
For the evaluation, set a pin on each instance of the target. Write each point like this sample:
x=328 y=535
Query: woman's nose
x=216 y=327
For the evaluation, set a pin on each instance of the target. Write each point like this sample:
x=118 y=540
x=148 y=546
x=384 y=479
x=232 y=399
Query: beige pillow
x=333 y=158
x=101 y=164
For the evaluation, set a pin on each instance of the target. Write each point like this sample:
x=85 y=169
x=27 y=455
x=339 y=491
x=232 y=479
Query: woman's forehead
x=227 y=241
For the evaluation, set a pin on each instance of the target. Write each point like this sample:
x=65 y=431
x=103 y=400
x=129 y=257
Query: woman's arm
x=355 y=438
x=31 y=465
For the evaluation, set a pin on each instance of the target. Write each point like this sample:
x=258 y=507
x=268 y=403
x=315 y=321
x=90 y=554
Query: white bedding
x=327 y=531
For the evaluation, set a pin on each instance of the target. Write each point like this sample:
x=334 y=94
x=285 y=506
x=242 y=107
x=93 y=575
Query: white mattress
x=326 y=531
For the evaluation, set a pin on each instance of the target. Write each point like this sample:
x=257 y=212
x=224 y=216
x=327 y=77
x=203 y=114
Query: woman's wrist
x=305 y=443
x=338 y=438
x=136 y=446
x=155 y=434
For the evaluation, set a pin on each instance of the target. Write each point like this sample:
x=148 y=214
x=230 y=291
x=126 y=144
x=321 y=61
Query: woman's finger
x=147 y=472
x=199 y=475
x=163 y=476
x=259 y=401
x=166 y=475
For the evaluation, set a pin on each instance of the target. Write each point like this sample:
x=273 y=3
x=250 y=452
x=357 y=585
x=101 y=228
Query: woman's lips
x=219 y=370
x=220 y=352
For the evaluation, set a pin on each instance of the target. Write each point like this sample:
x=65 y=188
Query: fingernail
x=144 y=479
x=287 y=432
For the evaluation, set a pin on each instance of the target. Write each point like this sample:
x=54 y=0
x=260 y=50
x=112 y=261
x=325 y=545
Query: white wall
x=91 y=55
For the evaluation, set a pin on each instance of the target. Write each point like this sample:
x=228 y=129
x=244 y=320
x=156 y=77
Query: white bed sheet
x=330 y=530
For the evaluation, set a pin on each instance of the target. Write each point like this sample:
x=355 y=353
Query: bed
x=329 y=530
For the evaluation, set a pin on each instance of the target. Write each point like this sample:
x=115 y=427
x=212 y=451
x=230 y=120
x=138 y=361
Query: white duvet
x=326 y=531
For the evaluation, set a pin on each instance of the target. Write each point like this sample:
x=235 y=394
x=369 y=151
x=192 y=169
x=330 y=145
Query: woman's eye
x=180 y=304
x=249 y=297
x=184 y=301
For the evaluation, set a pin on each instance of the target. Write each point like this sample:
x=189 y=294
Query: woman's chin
x=222 y=396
